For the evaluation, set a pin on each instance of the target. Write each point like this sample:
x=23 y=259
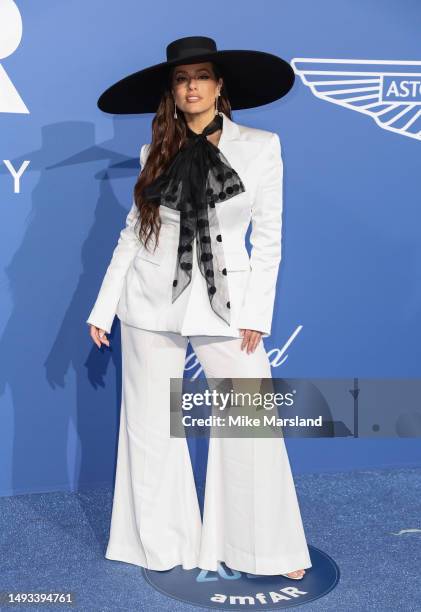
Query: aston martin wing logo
x=389 y=91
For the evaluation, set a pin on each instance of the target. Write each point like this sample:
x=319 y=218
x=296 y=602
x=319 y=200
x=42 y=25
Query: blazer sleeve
x=105 y=307
x=265 y=238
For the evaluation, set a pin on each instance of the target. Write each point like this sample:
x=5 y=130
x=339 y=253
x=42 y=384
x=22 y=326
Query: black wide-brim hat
x=252 y=78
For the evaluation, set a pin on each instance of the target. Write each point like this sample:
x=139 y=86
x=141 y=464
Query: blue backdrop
x=349 y=292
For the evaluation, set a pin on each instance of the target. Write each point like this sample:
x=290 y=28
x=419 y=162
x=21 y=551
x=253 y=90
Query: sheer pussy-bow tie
x=197 y=178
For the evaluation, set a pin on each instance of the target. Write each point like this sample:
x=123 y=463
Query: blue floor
x=57 y=541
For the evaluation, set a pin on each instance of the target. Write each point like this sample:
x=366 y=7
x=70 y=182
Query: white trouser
x=251 y=516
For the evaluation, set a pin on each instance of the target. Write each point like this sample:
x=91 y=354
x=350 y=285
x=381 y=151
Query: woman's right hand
x=98 y=336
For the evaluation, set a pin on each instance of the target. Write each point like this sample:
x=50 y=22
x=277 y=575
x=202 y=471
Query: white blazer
x=137 y=286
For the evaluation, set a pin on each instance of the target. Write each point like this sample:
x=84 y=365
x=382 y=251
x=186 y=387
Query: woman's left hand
x=251 y=339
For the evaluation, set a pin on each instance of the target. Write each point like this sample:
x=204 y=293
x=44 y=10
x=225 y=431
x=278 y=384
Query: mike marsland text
x=246 y=421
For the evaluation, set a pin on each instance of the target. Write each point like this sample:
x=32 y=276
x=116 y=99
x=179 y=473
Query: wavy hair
x=168 y=135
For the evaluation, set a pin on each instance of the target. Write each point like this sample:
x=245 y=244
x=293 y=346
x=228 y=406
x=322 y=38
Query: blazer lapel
x=230 y=132
x=238 y=152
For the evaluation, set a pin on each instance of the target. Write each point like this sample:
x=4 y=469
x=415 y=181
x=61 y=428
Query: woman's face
x=195 y=88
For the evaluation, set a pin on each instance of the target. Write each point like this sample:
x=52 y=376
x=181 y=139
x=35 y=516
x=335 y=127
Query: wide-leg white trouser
x=251 y=517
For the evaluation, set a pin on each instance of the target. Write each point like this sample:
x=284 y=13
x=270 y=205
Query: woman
x=181 y=272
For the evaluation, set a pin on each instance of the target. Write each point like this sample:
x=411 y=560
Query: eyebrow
x=185 y=72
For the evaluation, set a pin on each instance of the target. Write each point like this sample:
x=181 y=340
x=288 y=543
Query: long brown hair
x=168 y=135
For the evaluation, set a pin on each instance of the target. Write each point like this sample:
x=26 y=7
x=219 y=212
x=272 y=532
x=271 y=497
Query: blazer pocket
x=154 y=257
x=166 y=245
x=234 y=260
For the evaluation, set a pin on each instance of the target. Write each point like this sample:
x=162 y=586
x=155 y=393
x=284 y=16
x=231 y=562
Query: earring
x=216 y=103
x=175 y=110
